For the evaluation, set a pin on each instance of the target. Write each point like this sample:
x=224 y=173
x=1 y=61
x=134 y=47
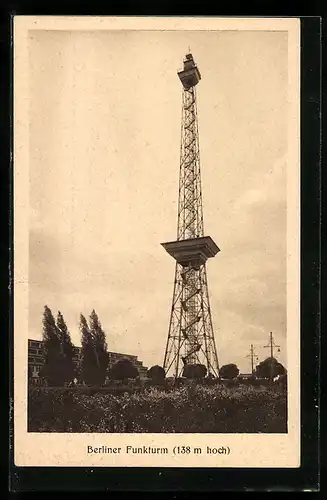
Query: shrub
x=229 y=371
x=269 y=368
x=156 y=373
x=194 y=371
x=123 y=370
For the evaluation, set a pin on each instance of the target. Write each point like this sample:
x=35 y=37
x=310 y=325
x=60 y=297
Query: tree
x=100 y=348
x=67 y=349
x=269 y=368
x=229 y=371
x=194 y=371
x=280 y=369
x=123 y=369
x=88 y=362
x=156 y=373
x=51 y=369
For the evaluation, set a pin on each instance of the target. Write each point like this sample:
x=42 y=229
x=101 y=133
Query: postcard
x=156 y=265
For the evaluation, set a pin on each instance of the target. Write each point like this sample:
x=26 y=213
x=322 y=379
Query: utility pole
x=253 y=357
x=271 y=345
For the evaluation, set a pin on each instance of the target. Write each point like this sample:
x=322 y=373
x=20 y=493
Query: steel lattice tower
x=191 y=336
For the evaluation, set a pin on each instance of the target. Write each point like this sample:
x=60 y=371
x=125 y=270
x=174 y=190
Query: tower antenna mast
x=191 y=336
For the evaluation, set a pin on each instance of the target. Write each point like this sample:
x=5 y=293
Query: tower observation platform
x=192 y=252
x=191 y=337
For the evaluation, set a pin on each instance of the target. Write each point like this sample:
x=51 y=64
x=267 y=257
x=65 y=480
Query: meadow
x=197 y=408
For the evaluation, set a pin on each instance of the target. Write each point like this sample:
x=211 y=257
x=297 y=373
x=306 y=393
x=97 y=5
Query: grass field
x=194 y=408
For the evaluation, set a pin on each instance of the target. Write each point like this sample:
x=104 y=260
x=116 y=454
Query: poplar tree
x=51 y=369
x=100 y=348
x=88 y=361
x=67 y=349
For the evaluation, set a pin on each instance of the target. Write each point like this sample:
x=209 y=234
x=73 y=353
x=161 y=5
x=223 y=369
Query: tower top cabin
x=190 y=74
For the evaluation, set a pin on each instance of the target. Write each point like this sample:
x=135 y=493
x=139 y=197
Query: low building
x=246 y=376
x=35 y=360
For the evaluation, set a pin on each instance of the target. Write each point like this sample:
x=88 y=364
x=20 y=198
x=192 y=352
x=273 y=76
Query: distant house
x=35 y=360
x=246 y=376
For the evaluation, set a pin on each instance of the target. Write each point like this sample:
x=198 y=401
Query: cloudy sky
x=105 y=111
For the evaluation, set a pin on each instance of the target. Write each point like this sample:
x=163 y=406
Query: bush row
x=193 y=408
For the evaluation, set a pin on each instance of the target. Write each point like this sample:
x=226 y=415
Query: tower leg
x=191 y=337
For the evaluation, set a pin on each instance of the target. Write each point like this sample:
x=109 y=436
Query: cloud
x=251 y=298
x=104 y=182
x=251 y=198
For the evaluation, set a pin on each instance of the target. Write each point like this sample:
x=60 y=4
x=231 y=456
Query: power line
x=253 y=357
x=272 y=345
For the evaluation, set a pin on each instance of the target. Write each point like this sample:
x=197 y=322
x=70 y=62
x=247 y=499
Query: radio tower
x=190 y=337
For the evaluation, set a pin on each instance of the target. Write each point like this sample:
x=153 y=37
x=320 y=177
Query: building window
x=38 y=345
x=35 y=370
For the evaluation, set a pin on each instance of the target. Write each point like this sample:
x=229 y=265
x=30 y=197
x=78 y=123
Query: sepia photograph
x=159 y=239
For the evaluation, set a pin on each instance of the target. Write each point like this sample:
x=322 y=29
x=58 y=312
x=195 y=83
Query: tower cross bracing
x=191 y=335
